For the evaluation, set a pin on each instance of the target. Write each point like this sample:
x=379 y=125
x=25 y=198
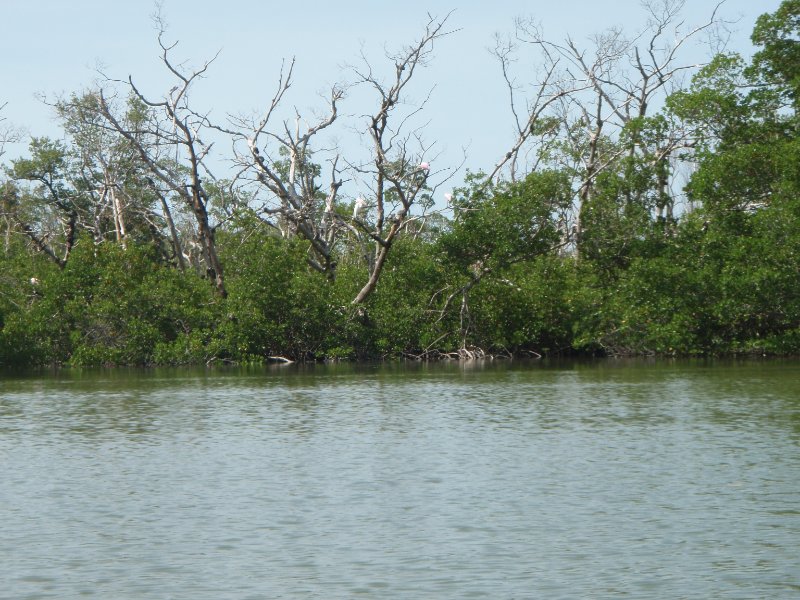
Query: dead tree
x=101 y=167
x=281 y=163
x=399 y=169
x=168 y=141
x=600 y=92
x=534 y=117
x=7 y=133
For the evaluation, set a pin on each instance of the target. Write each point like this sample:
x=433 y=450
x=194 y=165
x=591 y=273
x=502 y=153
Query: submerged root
x=472 y=353
x=466 y=354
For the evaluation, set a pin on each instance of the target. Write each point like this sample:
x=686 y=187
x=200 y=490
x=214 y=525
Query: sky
x=52 y=48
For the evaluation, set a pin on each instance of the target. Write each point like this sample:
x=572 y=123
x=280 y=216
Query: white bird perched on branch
x=360 y=205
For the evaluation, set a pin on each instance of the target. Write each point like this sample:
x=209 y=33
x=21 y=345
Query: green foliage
x=776 y=34
x=528 y=308
x=402 y=312
x=495 y=231
x=656 y=308
x=615 y=221
x=277 y=305
x=22 y=275
x=108 y=306
x=712 y=103
x=495 y=227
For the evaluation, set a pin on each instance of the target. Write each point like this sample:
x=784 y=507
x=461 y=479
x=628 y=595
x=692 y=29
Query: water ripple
x=504 y=482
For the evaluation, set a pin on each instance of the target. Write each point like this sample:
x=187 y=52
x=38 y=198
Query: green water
x=601 y=480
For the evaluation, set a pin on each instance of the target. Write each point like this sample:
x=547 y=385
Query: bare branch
x=175 y=125
x=399 y=175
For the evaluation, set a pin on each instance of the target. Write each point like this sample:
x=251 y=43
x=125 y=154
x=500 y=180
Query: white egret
x=359 y=206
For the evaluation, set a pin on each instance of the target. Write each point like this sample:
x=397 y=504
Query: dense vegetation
x=115 y=250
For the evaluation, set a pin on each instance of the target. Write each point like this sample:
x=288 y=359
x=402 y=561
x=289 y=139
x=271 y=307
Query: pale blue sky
x=54 y=46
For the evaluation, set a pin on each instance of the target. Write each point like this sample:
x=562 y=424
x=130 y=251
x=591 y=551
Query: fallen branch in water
x=280 y=359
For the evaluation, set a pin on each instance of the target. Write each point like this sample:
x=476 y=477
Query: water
x=497 y=481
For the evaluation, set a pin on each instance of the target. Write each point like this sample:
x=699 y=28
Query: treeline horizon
x=646 y=207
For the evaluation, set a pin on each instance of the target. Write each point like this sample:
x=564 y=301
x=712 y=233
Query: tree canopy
x=635 y=212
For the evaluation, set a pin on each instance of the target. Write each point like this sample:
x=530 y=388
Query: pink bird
x=424 y=166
